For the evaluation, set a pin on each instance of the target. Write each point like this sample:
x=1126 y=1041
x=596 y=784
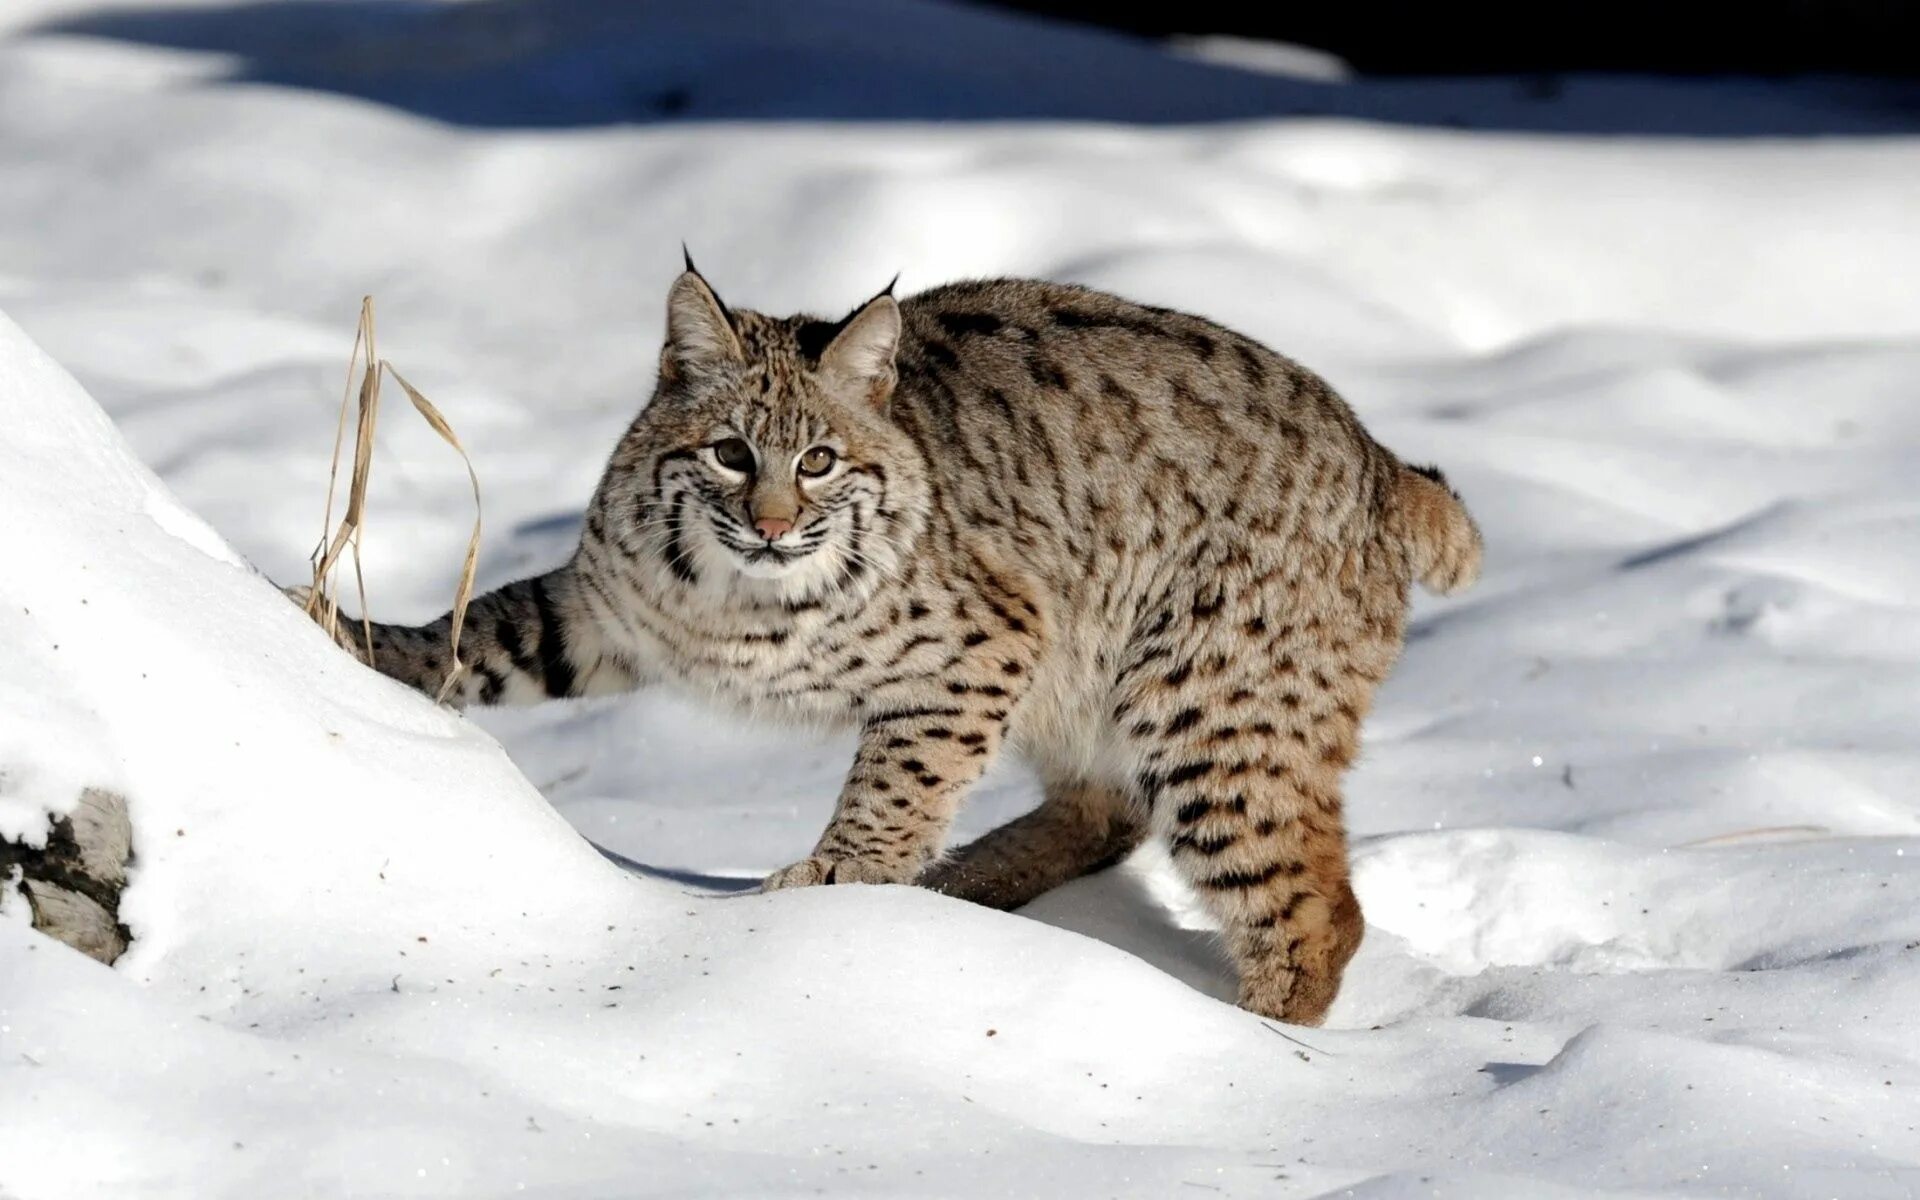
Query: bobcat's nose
x=772 y=528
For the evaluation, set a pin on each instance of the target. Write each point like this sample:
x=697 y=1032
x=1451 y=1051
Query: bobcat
x=1165 y=564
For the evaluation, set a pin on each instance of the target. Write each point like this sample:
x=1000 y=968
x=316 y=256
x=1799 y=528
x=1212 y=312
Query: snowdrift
x=368 y=955
x=369 y=959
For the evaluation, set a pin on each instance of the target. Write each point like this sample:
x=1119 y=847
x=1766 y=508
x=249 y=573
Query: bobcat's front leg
x=921 y=750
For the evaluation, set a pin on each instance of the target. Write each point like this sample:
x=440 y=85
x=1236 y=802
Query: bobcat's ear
x=699 y=327
x=860 y=356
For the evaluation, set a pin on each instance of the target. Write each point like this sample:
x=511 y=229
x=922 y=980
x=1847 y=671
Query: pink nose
x=772 y=527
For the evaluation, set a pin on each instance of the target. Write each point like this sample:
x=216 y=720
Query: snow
x=1638 y=824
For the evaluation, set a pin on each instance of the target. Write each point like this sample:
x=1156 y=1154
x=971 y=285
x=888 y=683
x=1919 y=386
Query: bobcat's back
x=1085 y=431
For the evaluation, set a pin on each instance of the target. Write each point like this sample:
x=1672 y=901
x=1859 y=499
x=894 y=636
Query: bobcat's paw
x=819 y=869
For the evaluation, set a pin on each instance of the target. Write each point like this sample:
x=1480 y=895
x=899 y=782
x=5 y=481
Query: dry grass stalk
x=344 y=540
x=1780 y=832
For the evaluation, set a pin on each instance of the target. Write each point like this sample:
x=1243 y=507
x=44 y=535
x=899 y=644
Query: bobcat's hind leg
x=1266 y=851
x=1078 y=828
x=1241 y=745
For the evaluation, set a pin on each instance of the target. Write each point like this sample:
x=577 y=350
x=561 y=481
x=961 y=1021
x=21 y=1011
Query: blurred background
x=1788 y=66
x=1771 y=37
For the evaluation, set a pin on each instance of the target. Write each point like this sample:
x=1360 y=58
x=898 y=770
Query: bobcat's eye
x=817 y=461
x=733 y=454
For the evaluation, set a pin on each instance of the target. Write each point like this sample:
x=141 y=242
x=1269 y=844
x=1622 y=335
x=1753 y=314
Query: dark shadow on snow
x=1112 y=906
x=548 y=63
x=718 y=884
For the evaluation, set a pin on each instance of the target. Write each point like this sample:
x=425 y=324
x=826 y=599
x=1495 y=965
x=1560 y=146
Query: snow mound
x=381 y=926
x=370 y=958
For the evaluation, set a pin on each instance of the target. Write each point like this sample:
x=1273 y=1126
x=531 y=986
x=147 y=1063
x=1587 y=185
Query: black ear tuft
x=888 y=290
x=686 y=256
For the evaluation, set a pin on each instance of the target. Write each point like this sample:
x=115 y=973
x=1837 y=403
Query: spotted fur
x=1164 y=563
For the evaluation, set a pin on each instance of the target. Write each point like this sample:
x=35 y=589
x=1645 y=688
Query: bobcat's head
x=766 y=460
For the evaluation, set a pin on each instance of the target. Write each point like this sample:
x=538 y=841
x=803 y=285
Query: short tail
x=1443 y=543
